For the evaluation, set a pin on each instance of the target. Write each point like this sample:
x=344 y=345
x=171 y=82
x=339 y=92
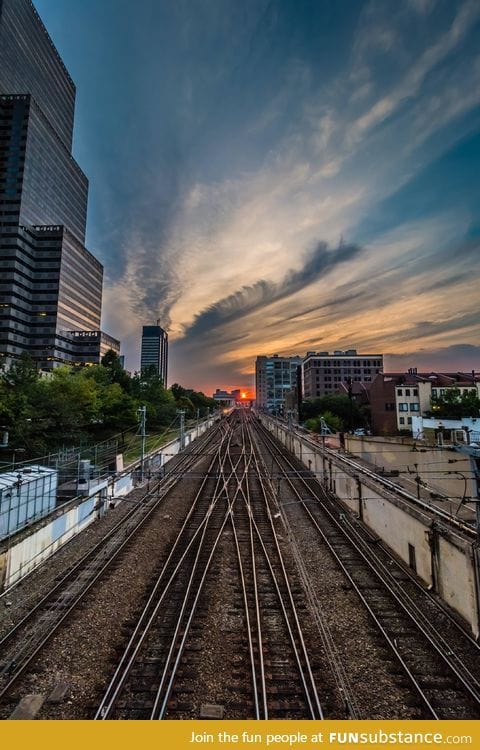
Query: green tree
x=147 y=389
x=111 y=363
x=203 y=403
x=332 y=421
x=117 y=411
x=66 y=406
x=456 y=404
x=178 y=391
x=347 y=410
x=17 y=388
x=185 y=403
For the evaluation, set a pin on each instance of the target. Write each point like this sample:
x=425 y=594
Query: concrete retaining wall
x=442 y=557
x=441 y=468
x=24 y=551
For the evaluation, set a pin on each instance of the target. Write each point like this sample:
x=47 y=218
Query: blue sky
x=281 y=176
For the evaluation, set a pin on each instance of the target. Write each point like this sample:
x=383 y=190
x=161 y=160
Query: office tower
x=323 y=373
x=274 y=378
x=30 y=64
x=50 y=285
x=155 y=350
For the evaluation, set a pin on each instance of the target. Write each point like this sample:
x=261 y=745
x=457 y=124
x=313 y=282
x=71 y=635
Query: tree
x=111 y=363
x=178 y=391
x=66 y=406
x=342 y=407
x=117 y=410
x=332 y=421
x=185 y=403
x=17 y=387
x=456 y=404
x=202 y=402
x=148 y=390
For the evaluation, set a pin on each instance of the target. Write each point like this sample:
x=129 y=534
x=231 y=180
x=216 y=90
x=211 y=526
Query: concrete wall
x=457 y=567
x=432 y=463
x=23 y=552
x=444 y=559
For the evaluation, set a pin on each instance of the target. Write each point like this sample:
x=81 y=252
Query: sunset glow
x=286 y=184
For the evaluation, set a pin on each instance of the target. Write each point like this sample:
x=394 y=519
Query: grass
x=133 y=445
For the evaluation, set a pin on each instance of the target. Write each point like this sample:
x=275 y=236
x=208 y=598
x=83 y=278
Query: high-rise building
x=322 y=373
x=274 y=378
x=155 y=350
x=50 y=285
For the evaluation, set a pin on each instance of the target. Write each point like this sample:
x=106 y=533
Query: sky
x=281 y=176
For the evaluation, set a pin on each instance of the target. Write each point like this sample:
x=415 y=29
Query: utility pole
x=418 y=481
x=143 y=419
x=350 y=398
x=181 y=412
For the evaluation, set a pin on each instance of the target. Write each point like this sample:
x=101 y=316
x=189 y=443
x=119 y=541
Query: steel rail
x=189 y=457
x=412 y=610
x=147 y=617
x=161 y=702
x=30 y=648
x=430 y=636
x=166 y=483
x=311 y=693
x=336 y=663
x=137 y=639
x=256 y=599
x=389 y=641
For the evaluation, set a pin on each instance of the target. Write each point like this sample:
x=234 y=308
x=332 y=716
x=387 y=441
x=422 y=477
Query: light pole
x=143 y=418
x=181 y=412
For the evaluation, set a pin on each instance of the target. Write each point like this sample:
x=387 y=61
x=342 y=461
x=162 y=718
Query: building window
x=407 y=391
x=409 y=420
x=414 y=407
x=415 y=391
x=399 y=392
x=402 y=420
x=403 y=407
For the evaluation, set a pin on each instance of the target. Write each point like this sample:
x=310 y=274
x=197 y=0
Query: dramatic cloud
x=222 y=139
x=263 y=293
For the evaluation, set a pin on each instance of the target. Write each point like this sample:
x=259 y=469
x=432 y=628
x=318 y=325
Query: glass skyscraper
x=155 y=350
x=30 y=64
x=50 y=284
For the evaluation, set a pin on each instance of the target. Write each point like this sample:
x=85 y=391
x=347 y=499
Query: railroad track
x=432 y=652
x=270 y=605
x=22 y=644
x=164 y=659
x=143 y=680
